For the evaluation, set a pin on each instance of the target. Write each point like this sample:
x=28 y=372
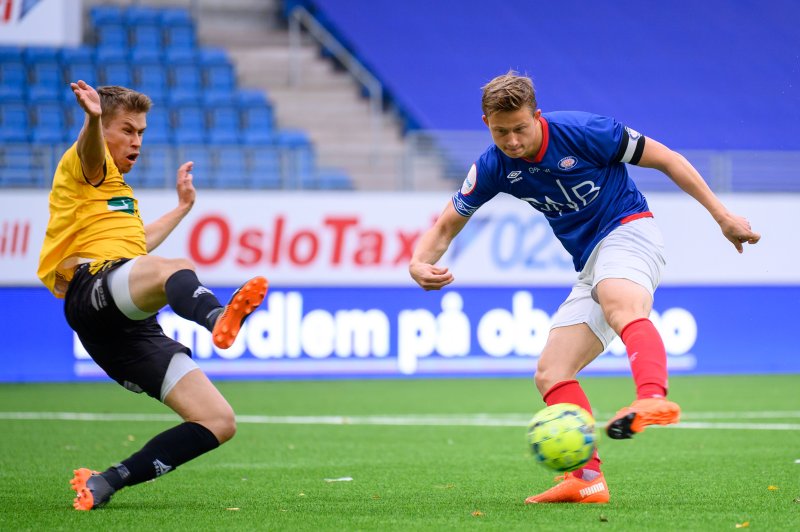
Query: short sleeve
x=474 y=192
x=609 y=142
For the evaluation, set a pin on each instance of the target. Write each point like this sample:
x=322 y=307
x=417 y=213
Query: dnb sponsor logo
x=406 y=342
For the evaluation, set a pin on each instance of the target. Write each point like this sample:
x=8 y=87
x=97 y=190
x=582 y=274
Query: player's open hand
x=185 y=186
x=737 y=229
x=430 y=277
x=87 y=97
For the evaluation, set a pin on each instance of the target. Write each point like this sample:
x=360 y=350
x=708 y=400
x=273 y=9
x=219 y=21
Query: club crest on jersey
x=514 y=176
x=568 y=163
x=470 y=181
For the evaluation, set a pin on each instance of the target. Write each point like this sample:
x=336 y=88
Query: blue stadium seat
x=224 y=135
x=180 y=37
x=48 y=115
x=159 y=126
x=13 y=93
x=10 y=134
x=74 y=117
x=203 y=164
x=13 y=73
x=41 y=54
x=251 y=98
x=146 y=37
x=11 y=54
x=48 y=135
x=47 y=82
x=180 y=56
x=176 y=16
x=142 y=15
x=183 y=96
x=71 y=55
x=159 y=168
x=116 y=74
x=258 y=117
x=333 y=180
x=106 y=55
x=112 y=36
x=141 y=55
x=219 y=76
x=150 y=75
x=102 y=15
x=189 y=116
x=14 y=115
x=80 y=70
x=209 y=55
x=225 y=116
x=264 y=171
x=185 y=76
x=18 y=177
x=216 y=97
x=230 y=169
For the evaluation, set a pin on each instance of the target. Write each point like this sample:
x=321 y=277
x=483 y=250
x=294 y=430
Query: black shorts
x=136 y=354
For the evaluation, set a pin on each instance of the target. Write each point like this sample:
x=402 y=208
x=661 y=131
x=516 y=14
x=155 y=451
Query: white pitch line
x=473 y=420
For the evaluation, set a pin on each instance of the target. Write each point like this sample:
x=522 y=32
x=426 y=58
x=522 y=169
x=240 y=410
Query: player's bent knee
x=223 y=426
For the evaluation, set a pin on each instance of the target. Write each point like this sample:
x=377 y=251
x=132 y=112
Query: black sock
x=191 y=300
x=164 y=453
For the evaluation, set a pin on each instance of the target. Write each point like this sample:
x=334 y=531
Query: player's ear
x=485 y=120
x=537 y=113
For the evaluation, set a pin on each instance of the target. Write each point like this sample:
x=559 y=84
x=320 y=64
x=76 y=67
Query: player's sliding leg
x=648 y=360
x=208 y=422
x=568 y=350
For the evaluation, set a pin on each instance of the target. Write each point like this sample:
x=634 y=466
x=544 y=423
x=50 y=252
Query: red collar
x=545 y=140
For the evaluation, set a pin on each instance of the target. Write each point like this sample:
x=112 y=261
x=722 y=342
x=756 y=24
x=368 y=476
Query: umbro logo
x=514 y=176
x=591 y=490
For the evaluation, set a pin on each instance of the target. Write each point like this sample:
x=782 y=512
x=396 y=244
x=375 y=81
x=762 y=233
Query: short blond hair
x=509 y=92
x=114 y=99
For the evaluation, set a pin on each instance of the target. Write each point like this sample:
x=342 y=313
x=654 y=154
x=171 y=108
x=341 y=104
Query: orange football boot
x=575 y=490
x=93 y=491
x=642 y=412
x=242 y=303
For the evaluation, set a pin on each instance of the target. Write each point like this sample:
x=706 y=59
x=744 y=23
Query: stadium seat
x=137 y=15
x=112 y=36
x=11 y=54
x=111 y=54
x=116 y=74
x=14 y=115
x=176 y=17
x=146 y=37
x=183 y=96
x=246 y=98
x=180 y=56
x=185 y=76
x=77 y=71
x=264 y=170
x=230 y=169
x=209 y=55
x=158 y=170
x=224 y=135
x=333 y=180
x=142 y=55
x=190 y=127
x=219 y=77
x=13 y=73
x=71 y=55
x=203 y=164
x=41 y=54
x=180 y=38
x=218 y=97
x=104 y=15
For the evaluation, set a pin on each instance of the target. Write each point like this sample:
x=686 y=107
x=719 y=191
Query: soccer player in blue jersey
x=570 y=166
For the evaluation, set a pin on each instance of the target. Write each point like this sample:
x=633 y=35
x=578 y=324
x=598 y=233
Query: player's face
x=516 y=133
x=123 y=134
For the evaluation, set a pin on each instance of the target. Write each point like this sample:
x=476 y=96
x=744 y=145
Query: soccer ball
x=562 y=437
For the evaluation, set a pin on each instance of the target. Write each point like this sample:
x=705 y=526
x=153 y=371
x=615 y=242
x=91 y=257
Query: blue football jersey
x=578 y=180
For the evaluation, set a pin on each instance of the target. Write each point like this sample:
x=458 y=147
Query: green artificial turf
x=434 y=472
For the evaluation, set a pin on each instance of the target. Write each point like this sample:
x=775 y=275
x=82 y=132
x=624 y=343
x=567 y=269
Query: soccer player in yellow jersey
x=96 y=255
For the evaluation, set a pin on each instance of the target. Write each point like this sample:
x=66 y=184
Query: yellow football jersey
x=88 y=223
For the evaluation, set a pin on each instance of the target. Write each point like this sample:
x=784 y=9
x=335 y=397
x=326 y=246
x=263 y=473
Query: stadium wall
x=342 y=304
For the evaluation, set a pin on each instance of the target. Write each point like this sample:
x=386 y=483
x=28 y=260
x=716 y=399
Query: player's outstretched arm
x=734 y=227
x=91 y=145
x=157 y=231
x=432 y=246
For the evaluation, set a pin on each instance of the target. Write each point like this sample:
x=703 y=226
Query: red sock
x=571 y=392
x=648 y=358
